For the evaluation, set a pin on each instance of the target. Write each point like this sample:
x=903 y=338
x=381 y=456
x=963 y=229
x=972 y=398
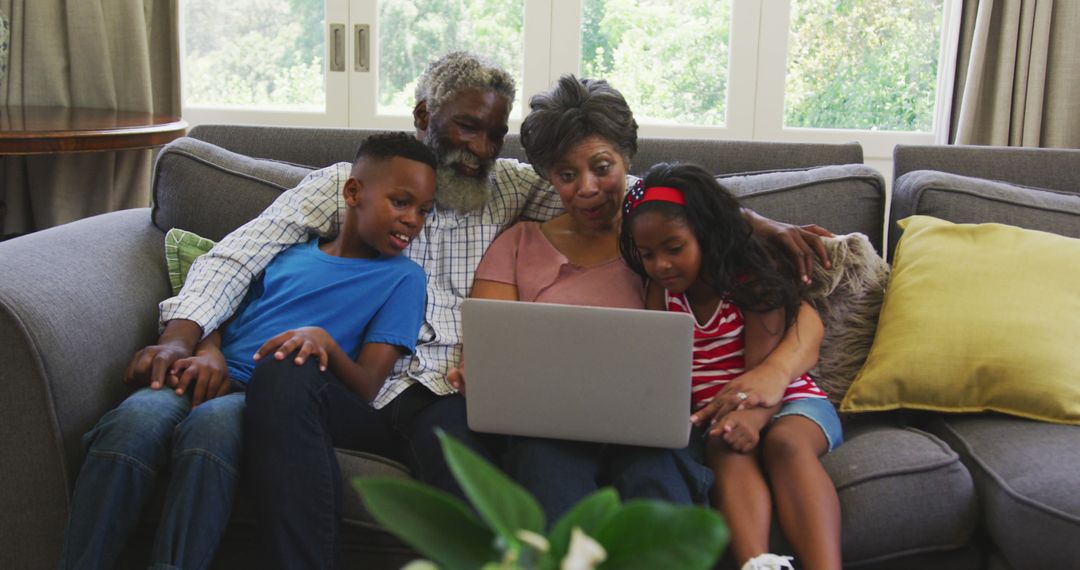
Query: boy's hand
x=306 y=341
x=151 y=364
x=206 y=375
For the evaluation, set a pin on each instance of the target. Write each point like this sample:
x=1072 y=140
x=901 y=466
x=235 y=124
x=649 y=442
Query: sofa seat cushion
x=357 y=464
x=845 y=199
x=1026 y=476
x=903 y=493
x=210 y=191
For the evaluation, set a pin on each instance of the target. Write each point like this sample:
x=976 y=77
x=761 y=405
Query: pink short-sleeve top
x=523 y=256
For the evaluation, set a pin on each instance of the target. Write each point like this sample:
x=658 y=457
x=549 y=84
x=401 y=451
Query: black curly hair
x=733 y=261
x=384 y=146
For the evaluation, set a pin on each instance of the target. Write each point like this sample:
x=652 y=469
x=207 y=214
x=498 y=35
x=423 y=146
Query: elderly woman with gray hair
x=581 y=136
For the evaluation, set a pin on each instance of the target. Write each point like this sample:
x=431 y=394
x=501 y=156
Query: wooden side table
x=49 y=130
x=28 y=130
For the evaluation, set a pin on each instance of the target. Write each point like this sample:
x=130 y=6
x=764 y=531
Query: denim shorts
x=821 y=412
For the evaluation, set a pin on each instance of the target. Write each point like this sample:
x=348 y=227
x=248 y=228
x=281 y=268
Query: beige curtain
x=1016 y=65
x=110 y=54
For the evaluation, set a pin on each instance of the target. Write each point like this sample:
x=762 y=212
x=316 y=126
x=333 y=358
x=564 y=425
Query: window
x=888 y=83
x=255 y=53
x=413 y=32
x=671 y=65
x=800 y=70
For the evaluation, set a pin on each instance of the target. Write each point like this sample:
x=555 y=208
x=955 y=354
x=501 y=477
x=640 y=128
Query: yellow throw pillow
x=977 y=317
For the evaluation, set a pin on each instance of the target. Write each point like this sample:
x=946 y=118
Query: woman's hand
x=456 y=378
x=206 y=374
x=759 y=387
x=307 y=341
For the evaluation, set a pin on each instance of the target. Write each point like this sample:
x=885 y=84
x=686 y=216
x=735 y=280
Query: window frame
x=756 y=78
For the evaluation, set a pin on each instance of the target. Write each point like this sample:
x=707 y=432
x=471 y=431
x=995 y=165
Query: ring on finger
x=741 y=396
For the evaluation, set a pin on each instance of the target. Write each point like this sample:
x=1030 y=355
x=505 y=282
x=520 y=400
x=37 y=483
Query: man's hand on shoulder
x=801 y=243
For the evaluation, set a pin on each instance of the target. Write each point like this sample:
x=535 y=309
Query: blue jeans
x=560 y=473
x=295 y=417
x=125 y=452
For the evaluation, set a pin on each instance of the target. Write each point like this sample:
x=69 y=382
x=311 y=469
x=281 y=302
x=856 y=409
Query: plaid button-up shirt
x=449 y=249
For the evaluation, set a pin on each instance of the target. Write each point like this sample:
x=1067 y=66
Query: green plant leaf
x=436 y=524
x=590 y=515
x=650 y=534
x=502 y=503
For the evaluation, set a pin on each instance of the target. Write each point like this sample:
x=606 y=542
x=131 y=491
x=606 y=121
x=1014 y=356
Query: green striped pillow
x=181 y=249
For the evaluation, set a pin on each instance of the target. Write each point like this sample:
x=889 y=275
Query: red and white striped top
x=719 y=355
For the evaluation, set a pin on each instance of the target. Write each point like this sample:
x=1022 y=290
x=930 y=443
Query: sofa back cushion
x=965 y=199
x=208 y=190
x=202 y=187
x=320 y=147
x=1050 y=168
x=845 y=199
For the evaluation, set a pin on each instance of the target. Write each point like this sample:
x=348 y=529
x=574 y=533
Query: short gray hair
x=571 y=111
x=460 y=70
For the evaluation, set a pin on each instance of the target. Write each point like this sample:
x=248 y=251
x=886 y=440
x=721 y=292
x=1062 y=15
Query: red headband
x=639 y=194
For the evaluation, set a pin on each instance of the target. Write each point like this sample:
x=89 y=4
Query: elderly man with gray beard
x=295 y=416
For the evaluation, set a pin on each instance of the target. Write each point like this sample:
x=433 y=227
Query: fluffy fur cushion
x=848 y=297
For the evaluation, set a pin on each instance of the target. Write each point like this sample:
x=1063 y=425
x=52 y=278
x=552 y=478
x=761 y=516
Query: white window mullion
x=540 y=20
x=744 y=73
x=364 y=85
x=946 y=85
x=772 y=48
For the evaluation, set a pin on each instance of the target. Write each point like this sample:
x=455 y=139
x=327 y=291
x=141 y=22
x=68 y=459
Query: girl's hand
x=307 y=341
x=206 y=374
x=758 y=387
x=740 y=430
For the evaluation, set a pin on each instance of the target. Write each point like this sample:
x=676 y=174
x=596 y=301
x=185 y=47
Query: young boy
x=350 y=305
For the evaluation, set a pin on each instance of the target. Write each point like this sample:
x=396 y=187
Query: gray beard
x=462 y=194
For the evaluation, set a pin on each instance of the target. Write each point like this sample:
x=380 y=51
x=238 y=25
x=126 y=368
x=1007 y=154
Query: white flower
x=420 y=564
x=537 y=541
x=584 y=553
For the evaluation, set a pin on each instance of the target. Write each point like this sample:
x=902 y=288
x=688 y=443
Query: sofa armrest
x=970 y=200
x=76 y=301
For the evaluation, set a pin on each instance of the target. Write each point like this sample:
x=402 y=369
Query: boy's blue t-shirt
x=357 y=301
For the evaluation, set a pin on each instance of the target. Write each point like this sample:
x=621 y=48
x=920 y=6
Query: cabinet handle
x=361 y=61
x=337 y=47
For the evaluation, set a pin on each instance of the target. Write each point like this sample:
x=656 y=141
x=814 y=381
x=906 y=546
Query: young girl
x=686 y=234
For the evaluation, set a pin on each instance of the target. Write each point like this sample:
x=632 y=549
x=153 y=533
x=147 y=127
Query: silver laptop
x=581 y=373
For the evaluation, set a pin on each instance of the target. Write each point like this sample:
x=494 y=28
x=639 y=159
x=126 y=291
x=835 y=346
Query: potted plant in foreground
x=507 y=530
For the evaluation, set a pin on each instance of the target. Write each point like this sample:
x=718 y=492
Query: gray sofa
x=77 y=300
x=1026 y=473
